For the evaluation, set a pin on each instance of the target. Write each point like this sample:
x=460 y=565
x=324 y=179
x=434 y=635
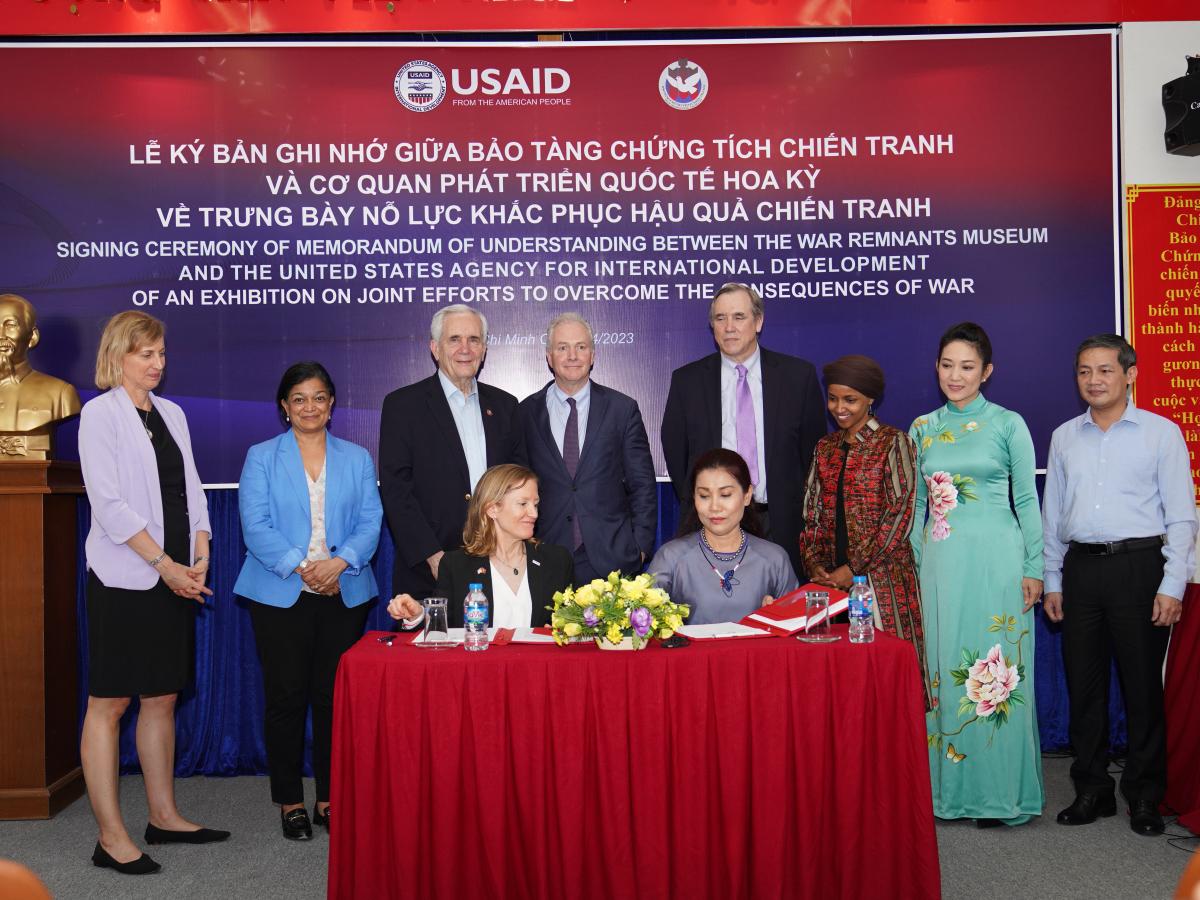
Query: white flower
x=990 y=682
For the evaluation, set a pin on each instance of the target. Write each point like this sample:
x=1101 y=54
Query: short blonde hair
x=479 y=534
x=124 y=333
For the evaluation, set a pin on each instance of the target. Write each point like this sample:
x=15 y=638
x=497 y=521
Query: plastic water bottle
x=475 y=618
x=862 y=619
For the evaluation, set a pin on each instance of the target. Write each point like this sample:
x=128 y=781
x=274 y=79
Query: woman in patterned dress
x=979 y=554
x=858 y=503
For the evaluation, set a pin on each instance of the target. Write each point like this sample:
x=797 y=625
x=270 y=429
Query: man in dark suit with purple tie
x=767 y=406
x=589 y=449
x=436 y=439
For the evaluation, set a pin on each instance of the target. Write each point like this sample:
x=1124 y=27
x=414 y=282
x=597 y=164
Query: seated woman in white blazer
x=310 y=514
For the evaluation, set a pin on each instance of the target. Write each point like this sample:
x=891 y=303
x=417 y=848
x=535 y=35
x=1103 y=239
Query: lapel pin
x=480 y=571
x=487 y=412
x=535 y=562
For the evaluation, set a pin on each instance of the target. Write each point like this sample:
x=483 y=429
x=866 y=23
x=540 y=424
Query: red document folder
x=786 y=616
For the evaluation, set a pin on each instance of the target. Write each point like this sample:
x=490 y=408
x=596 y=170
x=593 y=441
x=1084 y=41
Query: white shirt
x=468 y=419
x=317 y=547
x=729 y=380
x=511 y=610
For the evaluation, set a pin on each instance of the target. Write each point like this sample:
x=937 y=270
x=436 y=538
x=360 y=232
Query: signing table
x=753 y=768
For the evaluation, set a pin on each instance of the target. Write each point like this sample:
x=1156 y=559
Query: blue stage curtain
x=219 y=718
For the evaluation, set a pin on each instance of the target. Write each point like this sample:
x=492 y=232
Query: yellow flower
x=599 y=585
x=654 y=597
x=585 y=596
x=674 y=622
x=571 y=629
x=614 y=634
x=665 y=633
x=557 y=621
x=635 y=591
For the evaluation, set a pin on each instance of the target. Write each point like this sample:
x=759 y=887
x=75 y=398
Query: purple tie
x=571 y=461
x=747 y=435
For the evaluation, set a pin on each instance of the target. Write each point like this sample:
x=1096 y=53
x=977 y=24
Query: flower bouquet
x=622 y=611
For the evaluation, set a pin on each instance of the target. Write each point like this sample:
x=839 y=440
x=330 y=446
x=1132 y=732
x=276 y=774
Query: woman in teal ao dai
x=980 y=563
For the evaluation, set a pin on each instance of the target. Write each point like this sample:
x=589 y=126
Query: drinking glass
x=816 y=630
x=437 y=629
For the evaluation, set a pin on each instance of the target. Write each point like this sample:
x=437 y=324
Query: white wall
x=1153 y=53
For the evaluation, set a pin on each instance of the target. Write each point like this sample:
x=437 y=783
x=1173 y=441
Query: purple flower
x=590 y=618
x=640 y=619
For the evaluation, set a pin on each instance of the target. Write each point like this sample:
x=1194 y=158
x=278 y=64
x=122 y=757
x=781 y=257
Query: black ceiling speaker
x=1181 y=104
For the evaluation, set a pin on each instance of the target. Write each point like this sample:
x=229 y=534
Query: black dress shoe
x=320 y=818
x=1144 y=818
x=143 y=865
x=1087 y=808
x=296 y=826
x=156 y=835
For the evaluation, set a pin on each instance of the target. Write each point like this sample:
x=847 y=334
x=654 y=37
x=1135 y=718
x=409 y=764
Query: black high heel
x=143 y=865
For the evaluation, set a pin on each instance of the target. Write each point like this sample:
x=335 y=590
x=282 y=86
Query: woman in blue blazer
x=310 y=518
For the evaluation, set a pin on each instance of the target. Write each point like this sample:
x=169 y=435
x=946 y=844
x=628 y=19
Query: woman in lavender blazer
x=147 y=558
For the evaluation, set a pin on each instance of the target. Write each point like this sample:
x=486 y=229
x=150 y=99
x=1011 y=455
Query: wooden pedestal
x=39 y=646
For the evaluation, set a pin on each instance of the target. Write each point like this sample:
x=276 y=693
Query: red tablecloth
x=762 y=768
x=1182 y=700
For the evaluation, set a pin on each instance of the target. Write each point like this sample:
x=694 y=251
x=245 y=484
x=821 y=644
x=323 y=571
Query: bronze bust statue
x=30 y=402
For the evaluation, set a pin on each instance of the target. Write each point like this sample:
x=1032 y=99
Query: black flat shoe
x=1144 y=818
x=988 y=823
x=296 y=826
x=156 y=835
x=320 y=818
x=1087 y=808
x=143 y=865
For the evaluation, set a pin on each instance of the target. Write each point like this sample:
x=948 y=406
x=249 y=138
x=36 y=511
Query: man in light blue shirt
x=588 y=445
x=767 y=406
x=1119 y=520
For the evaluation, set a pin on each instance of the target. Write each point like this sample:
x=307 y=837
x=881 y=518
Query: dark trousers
x=584 y=570
x=1107 y=605
x=299 y=648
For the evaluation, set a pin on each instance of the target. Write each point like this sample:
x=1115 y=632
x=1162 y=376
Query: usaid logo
x=420 y=85
x=499 y=82
x=683 y=85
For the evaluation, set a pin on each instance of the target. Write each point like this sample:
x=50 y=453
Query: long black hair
x=728 y=461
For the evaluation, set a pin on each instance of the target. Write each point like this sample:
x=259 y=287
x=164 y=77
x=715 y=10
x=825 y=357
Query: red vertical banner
x=1164 y=303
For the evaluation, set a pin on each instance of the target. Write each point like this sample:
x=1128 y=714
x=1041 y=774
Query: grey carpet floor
x=1039 y=860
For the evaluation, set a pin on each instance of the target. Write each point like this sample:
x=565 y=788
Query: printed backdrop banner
x=276 y=203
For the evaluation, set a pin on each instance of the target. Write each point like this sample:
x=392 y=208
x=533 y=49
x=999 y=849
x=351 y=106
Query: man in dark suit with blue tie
x=589 y=449
x=436 y=439
x=767 y=406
